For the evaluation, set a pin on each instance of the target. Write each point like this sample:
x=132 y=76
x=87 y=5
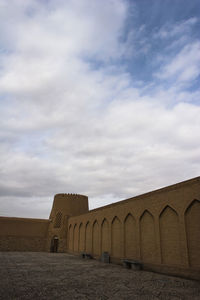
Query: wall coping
x=24 y=219
x=148 y=194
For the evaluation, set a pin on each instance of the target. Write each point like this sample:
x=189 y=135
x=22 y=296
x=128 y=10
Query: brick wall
x=160 y=228
x=21 y=234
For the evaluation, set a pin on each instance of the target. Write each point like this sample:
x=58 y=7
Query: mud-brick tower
x=64 y=206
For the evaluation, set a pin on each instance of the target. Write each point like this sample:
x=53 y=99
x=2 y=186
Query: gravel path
x=28 y=275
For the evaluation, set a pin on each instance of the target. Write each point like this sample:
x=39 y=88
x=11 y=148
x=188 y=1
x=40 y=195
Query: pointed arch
x=95 y=239
x=130 y=236
x=81 y=238
x=88 y=238
x=144 y=212
x=105 y=246
x=70 y=238
x=116 y=238
x=192 y=222
x=170 y=236
x=147 y=237
x=76 y=238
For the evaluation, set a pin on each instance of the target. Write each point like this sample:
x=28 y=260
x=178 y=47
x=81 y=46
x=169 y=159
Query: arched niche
x=105 y=246
x=70 y=238
x=95 y=239
x=130 y=236
x=116 y=236
x=81 y=238
x=170 y=237
x=147 y=238
x=88 y=238
x=192 y=221
x=76 y=238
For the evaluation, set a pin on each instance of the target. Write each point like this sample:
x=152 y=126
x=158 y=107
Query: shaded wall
x=160 y=228
x=64 y=206
x=21 y=234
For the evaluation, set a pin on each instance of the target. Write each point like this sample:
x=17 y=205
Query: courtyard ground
x=28 y=275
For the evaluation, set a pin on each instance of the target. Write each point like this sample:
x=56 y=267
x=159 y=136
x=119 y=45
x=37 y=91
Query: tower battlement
x=69 y=204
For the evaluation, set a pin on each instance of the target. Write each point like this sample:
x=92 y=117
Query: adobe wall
x=64 y=206
x=160 y=228
x=21 y=234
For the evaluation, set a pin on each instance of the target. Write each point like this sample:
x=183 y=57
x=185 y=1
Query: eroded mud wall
x=21 y=234
x=160 y=228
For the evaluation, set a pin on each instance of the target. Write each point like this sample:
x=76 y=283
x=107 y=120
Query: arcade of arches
x=136 y=238
x=160 y=228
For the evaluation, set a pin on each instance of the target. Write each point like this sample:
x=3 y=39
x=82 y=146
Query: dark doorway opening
x=54 y=244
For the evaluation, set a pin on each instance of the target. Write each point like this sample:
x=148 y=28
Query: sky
x=100 y=98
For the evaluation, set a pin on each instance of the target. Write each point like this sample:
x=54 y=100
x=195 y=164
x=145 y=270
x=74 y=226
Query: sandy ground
x=49 y=276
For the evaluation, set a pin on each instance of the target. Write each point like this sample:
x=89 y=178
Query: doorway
x=54 y=244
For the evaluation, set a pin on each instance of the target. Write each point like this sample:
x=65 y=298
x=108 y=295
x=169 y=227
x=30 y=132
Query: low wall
x=21 y=234
x=160 y=228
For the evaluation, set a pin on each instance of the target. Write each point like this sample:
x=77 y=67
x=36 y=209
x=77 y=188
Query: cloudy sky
x=100 y=98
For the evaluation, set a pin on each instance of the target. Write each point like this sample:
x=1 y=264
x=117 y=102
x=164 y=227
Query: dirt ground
x=28 y=275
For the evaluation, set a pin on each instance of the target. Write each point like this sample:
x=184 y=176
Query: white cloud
x=74 y=121
x=178 y=29
x=185 y=66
